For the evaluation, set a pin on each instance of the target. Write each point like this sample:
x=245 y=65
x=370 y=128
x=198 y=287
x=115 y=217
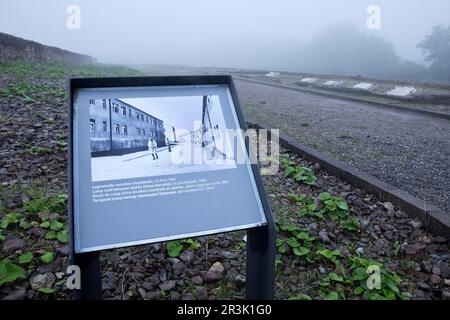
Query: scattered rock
x=197 y=280
x=215 y=273
x=187 y=256
x=414 y=250
x=388 y=206
x=187 y=296
x=416 y=224
x=63 y=250
x=18 y=294
x=42 y=281
x=13 y=245
x=424 y=286
x=436 y=271
x=153 y=295
x=142 y=293
x=446 y=295
x=435 y=279
x=168 y=285
x=323 y=235
x=201 y=293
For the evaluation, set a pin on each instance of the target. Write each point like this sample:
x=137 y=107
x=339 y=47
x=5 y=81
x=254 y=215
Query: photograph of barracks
x=118 y=128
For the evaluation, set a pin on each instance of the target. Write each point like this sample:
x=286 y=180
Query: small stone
x=224 y=244
x=63 y=250
x=215 y=273
x=424 y=286
x=436 y=271
x=229 y=255
x=42 y=281
x=323 y=235
x=388 y=206
x=389 y=235
x=201 y=293
x=168 y=285
x=322 y=270
x=153 y=295
x=174 y=296
x=232 y=273
x=445 y=295
x=13 y=245
x=360 y=250
x=435 y=279
x=197 y=280
x=427 y=266
x=187 y=256
x=439 y=239
x=416 y=224
x=414 y=250
x=445 y=270
x=240 y=280
x=142 y=293
x=187 y=296
x=163 y=276
x=18 y=294
x=37 y=232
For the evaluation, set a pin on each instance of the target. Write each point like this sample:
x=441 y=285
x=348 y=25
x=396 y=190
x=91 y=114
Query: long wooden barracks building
x=119 y=128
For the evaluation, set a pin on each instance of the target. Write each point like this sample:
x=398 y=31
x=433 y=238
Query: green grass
x=20 y=69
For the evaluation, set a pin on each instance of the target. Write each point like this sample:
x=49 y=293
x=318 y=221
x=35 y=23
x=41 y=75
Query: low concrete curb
x=434 y=219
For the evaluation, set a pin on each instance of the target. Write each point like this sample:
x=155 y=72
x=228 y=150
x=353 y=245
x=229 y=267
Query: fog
x=317 y=36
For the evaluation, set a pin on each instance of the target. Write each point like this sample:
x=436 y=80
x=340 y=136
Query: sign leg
x=91 y=278
x=260 y=269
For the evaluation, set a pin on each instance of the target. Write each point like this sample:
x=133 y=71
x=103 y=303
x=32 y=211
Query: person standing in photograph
x=153 y=147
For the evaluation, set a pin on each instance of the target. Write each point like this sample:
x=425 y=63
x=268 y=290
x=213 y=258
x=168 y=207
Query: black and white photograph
x=143 y=137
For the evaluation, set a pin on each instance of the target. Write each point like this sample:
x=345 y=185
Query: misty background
x=320 y=36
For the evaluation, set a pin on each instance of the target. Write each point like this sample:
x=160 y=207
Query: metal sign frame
x=260 y=266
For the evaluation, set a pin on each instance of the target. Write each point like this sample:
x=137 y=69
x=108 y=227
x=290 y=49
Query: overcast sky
x=211 y=32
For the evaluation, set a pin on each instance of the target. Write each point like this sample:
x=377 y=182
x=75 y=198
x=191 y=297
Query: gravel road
x=409 y=151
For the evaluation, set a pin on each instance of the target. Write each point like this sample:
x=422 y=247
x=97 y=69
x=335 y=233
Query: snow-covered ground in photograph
x=363 y=86
x=402 y=91
x=141 y=164
x=309 y=80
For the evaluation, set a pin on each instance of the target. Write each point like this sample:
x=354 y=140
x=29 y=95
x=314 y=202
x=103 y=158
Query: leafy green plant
x=35 y=150
x=331 y=255
x=47 y=290
x=10 y=272
x=191 y=244
x=47 y=257
x=26 y=258
x=301 y=296
x=299 y=242
x=389 y=281
x=335 y=207
x=332 y=295
x=301 y=174
x=54 y=203
x=175 y=247
x=351 y=225
x=10 y=219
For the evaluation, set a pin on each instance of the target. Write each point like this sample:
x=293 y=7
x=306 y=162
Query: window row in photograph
x=123 y=110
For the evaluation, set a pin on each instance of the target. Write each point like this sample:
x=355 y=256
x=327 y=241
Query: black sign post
x=260 y=267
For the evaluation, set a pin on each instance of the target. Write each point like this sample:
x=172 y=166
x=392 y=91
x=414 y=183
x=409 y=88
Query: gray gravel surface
x=409 y=151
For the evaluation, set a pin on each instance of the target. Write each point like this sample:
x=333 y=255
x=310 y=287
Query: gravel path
x=406 y=150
